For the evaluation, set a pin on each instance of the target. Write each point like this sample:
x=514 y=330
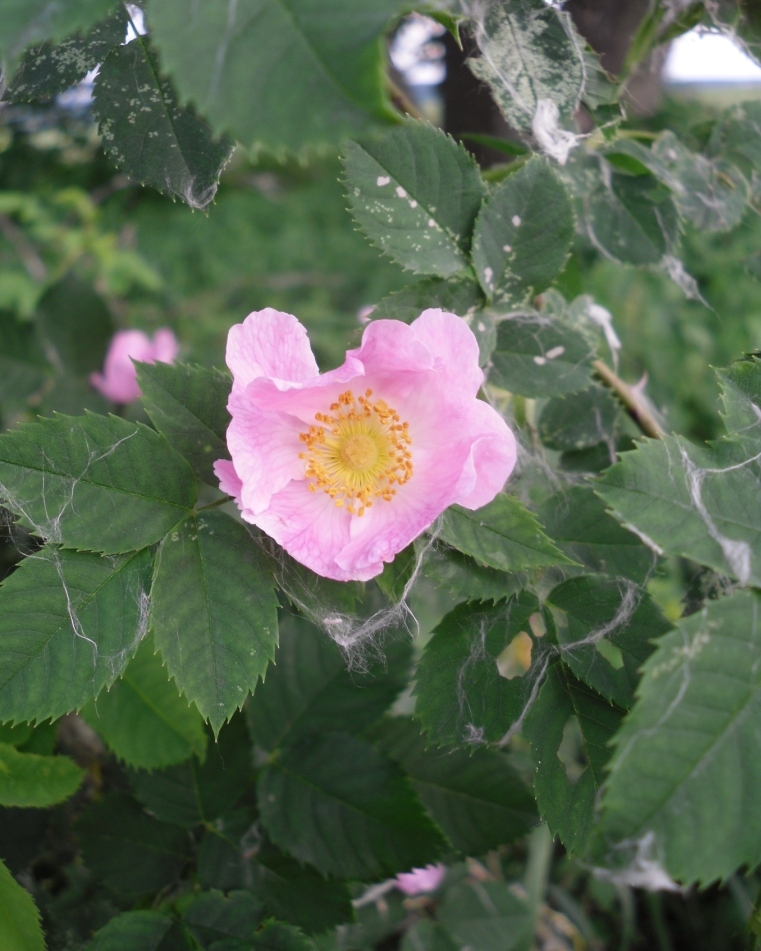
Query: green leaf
x=49 y=69
x=674 y=789
x=415 y=193
x=502 y=535
x=487 y=916
x=298 y=894
x=476 y=798
x=29 y=780
x=577 y=522
x=76 y=321
x=396 y=574
x=22 y=361
x=143 y=718
x=456 y=296
x=199 y=792
x=598 y=612
x=94 y=482
x=629 y=219
x=537 y=356
x=135 y=931
x=317 y=76
x=697 y=502
x=711 y=194
x=426 y=935
x=148 y=135
x=19 y=919
x=214 y=612
x=188 y=404
x=530 y=53
x=336 y=802
x=571 y=720
x=131 y=852
x=224 y=857
x=462 y=698
x=75 y=613
x=17 y=735
x=26 y=22
x=736 y=137
x=466 y=579
x=580 y=420
x=523 y=233
x=309 y=688
x=276 y=936
x=213 y=916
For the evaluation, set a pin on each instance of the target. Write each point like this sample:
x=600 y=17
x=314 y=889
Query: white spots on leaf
x=555 y=352
x=431 y=223
x=516 y=219
x=413 y=203
x=507 y=248
x=401 y=192
x=540 y=361
x=489 y=277
x=382 y=180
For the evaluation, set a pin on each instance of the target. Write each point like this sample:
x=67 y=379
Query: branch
x=633 y=405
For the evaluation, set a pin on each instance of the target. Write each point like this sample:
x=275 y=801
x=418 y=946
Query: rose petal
x=270 y=344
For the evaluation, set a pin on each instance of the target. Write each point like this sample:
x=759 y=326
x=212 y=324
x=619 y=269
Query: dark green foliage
x=22 y=360
x=78 y=324
x=478 y=800
x=462 y=698
x=188 y=404
x=536 y=356
x=136 y=104
x=570 y=719
x=94 y=482
x=523 y=234
x=133 y=853
x=212 y=582
x=199 y=792
x=415 y=193
x=70 y=611
x=502 y=535
x=51 y=68
x=337 y=803
x=309 y=690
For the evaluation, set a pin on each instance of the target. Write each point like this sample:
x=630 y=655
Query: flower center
x=358 y=453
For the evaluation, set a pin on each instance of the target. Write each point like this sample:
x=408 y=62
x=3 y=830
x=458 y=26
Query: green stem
x=214 y=504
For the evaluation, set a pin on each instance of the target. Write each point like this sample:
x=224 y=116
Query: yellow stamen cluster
x=358 y=452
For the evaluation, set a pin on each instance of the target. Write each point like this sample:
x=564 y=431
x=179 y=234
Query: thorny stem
x=634 y=407
x=402 y=101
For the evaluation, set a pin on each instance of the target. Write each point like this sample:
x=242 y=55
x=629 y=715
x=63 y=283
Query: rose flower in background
x=118 y=381
x=344 y=469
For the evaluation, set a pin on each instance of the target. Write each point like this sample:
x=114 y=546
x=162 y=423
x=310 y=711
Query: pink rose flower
x=344 y=469
x=118 y=382
x=420 y=880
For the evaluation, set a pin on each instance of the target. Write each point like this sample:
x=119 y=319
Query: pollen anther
x=358 y=452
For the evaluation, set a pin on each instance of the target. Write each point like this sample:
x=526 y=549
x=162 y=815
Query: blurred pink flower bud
x=344 y=469
x=420 y=880
x=118 y=382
